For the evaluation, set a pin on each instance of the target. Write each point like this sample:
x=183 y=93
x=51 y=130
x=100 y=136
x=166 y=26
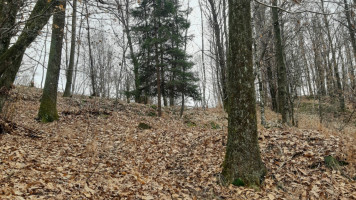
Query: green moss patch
x=331 y=162
x=238 y=182
x=214 y=125
x=144 y=126
x=152 y=114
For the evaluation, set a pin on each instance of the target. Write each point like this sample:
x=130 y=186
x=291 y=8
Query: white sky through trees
x=104 y=22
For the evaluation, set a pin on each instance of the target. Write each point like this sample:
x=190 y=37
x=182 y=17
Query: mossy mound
x=144 y=126
x=152 y=114
x=332 y=162
x=238 y=182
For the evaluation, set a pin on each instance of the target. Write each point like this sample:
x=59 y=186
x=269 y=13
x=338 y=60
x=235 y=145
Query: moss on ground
x=144 y=126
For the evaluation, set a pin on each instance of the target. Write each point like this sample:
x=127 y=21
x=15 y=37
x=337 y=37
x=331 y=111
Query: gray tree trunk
x=336 y=70
x=67 y=91
x=124 y=18
x=220 y=53
x=91 y=67
x=202 y=57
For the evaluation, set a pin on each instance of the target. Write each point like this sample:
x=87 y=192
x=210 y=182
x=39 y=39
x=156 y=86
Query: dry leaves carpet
x=97 y=151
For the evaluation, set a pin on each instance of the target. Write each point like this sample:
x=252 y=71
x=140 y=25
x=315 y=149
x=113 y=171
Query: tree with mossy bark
x=11 y=57
x=48 y=107
x=8 y=13
x=243 y=165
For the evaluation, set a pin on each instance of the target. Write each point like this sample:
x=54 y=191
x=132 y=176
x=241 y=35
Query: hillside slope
x=99 y=150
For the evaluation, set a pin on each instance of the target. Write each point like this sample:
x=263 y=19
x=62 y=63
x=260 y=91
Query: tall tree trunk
x=319 y=57
x=202 y=56
x=183 y=70
x=158 y=67
x=163 y=85
x=260 y=47
x=351 y=29
x=336 y=70
x=124 y=14
x=305 y=60
x=78 y=51
x=67 y=91
x=220 y=53
x=282 y=75
x=243 y=164
x=91 y=67
x=48 y=106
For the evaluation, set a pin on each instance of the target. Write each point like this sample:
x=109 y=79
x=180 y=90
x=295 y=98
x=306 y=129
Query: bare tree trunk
x=67 y=91
x=202 y=56
x=92 y=71
x=305 y=60
x=336 y=70
x=124 y=19
x=351 y=29
x=260 y=47
x=158 y=69
x=220 y=53
x=320 y=68
x=78 y=51
x=282 y=75
x=48 y=107
x=185 y=49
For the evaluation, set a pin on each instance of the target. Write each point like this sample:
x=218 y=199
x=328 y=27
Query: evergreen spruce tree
x=160 y=27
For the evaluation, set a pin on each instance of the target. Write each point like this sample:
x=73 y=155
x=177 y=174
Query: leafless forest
x=177 y=99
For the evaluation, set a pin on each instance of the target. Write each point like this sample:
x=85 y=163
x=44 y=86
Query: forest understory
x=102 y=149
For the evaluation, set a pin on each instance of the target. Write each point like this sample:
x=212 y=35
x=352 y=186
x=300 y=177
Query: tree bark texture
x=48 y=106
x=283 y=107
x=242 y=164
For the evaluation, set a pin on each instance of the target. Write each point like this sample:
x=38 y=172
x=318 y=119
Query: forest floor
x=98 y=150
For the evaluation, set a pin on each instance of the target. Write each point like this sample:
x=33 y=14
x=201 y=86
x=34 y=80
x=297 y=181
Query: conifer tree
x=164 y=67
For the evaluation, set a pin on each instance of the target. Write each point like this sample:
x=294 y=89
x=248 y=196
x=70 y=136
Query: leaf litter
x=97 y=151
